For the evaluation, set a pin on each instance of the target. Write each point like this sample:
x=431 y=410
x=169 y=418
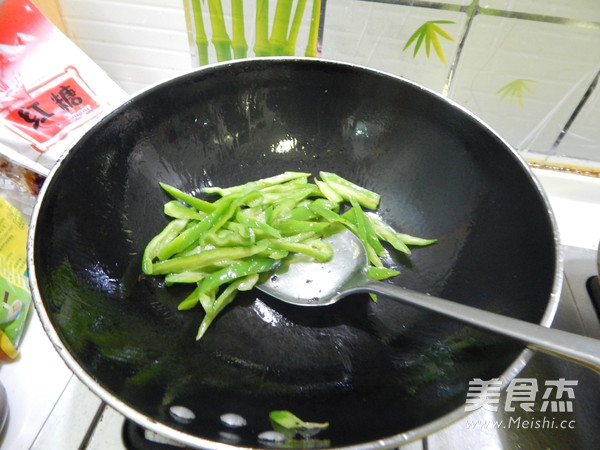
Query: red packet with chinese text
x=51 y=92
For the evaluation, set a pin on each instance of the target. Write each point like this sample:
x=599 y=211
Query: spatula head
x=302 y=281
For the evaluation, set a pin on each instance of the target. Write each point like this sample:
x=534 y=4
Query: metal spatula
x=321 y=284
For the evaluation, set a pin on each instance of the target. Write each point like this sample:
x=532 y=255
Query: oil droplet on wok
x=232 y=420
x=271 y=437
x=182 y=414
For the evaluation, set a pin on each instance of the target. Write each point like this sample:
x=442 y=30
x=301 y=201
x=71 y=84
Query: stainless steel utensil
x=321 y=284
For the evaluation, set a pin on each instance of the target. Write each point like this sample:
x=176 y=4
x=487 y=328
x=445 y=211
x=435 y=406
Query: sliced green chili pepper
x=290 y=421
x=213 y=221
x=170 y=232
x=226 y=238
x=381 y=273
x=400 y=241
x=235 y=271
x=249 y=221
x=300 y=212
x=290 y=226
x=189 y=276
x=367 y=235
x=416 y=241
x=329 y=193
x=181 y=242
x=223 y=246
x=191 y=300
x=273 y=197
x=213 y=306
x=277 y=179
x=333 y=217
x=348 y=190
x=207 y=257
x=319 y=250
x=178 y=210
x=194 y=202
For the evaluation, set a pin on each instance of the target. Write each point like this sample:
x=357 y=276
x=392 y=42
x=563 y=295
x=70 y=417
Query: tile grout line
x=588 y=93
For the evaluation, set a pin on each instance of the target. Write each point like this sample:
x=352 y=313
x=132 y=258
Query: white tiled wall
x=553 y=44
x=374 y=34
x=584 y=10
x=561 y=62
x=137 y=42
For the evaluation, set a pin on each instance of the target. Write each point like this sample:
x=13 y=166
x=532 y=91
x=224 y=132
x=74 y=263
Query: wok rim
x=403 y=438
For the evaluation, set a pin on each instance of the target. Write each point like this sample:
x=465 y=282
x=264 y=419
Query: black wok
x=380 y=373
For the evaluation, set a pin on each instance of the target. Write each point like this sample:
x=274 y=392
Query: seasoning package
x=50 y=90
x=14 y=291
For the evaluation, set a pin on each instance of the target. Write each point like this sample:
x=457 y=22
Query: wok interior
x=372 y=370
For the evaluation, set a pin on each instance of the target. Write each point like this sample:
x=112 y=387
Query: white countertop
x=575 y=200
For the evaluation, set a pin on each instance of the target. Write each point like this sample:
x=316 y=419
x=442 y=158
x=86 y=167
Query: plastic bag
x=50 y=90
x=15 y=297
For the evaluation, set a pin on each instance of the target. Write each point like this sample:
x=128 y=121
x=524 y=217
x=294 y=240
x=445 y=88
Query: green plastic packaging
x=15 y=296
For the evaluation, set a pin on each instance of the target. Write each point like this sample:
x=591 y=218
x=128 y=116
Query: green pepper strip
x=413 y=240
x=281 y=209
x=206 y=299
x=182 y=242
x=348 y=190
x=226 y=238
x=327 y=204
x=300 y=212
x=274 y=197
x=190 y=301
x=170 y=232
x=251 y=222
x=291 y=226
x=235 y=271
x=226 y=207
x=362 y=234
x=319 y=250
x=329 y=193
x=240 y=229
x=214 y=307
x=388 y=234
x=259 y=184
x=365 y=228
x=194 y=202
x=333 y=217
x=381 y=273
x=207 y=257
x=234 y=204
x=290 y=421
x=178 y=210
x=189 y=276
x=291 y=186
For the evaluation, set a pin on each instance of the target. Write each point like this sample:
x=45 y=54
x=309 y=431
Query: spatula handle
x=580 y=349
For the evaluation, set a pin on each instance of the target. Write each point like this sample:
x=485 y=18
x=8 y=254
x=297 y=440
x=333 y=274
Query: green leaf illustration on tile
x=515 y=90
x=430 y=33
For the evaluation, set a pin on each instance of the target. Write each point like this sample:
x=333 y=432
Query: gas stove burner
x=593 y=287
x=136 y=437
